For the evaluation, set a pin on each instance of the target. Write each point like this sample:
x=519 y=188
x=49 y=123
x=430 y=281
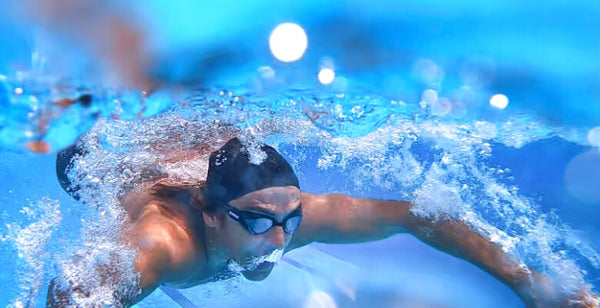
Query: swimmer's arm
x=152 y=262
x=157 y=248
x=341 y=219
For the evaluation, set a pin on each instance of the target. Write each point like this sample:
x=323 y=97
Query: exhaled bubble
x=31 y=243
x=439 y=164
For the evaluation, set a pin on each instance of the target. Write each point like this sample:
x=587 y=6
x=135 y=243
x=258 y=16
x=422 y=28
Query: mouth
x=264 y=263
x=260 y=272
x=264 y=266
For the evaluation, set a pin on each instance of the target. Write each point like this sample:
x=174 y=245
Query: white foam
x=451 y=179
x=253 y=262
x=253 y=147
x=31 y=242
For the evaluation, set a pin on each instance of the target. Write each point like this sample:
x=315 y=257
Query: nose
x=277 y=237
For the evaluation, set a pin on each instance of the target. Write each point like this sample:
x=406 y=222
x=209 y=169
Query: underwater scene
x=394 y=154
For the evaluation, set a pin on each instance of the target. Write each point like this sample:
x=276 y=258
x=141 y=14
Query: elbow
x=60 y=294
x=57 y=296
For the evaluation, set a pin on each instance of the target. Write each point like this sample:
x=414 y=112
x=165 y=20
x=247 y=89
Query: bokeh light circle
x=582 y=177
x=594 y=136
x=288 y=42
x=326 y=76
x=319 y=299
x=499 y=101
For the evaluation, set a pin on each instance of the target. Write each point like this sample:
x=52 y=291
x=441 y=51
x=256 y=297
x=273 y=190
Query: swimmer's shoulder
x=162 y=231
x=164 y=191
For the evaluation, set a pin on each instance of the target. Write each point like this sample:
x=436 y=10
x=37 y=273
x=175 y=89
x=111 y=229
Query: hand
x=545 y=292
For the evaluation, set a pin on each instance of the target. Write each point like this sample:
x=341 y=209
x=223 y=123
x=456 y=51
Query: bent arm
x=342 y=219
x=151 y=262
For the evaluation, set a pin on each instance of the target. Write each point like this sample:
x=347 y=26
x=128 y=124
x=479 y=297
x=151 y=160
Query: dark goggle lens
x=259 y=225
x=292 y=224
x=262 y=225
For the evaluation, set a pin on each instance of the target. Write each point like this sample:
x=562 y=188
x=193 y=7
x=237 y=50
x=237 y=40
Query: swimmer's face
x=258 y=253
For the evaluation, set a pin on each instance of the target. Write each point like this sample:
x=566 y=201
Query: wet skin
x=180 y=244
x=227 y=235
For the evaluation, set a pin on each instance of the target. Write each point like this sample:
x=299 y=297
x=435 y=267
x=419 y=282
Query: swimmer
x=248 y=213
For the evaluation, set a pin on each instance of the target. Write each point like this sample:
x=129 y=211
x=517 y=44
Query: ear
x=212 y=220
x=197 y=199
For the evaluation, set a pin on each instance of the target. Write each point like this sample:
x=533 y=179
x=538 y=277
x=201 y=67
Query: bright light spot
x=18 y=91
x=288 y=42
x=499 y=101
x=319 y=299
x=441 y=106
x=582 y=177
x=427 y=70
x=594 y=136
x=266 y=72
x=326 y=76
x=429 y=96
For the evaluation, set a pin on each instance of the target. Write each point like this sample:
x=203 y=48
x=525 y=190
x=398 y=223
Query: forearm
x=456 y=238
x=341 y=219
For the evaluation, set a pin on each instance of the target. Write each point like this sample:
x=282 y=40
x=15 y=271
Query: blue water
x=406 y=117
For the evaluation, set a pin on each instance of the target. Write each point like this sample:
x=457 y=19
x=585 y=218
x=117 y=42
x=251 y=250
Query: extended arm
x=342 y=219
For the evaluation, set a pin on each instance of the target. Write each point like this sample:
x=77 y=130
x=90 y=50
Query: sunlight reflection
x=594 y=136
x=288 y=42
x=326 y=75
x=583 y=175
x=429 y=96
x=427 y=71
x=266 y=72
x=319 y=299
x=499 y=101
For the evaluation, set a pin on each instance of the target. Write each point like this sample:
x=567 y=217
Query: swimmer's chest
x=202 y=273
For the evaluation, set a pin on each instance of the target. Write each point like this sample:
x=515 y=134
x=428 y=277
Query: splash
x=31 y=242
x=436 y=162
x=256 y=155
x=102 y=274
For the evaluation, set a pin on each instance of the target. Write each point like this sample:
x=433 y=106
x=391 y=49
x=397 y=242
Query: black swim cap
x=236 y=169
x=64 y=163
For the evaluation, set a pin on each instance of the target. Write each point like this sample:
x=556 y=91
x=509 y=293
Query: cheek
x=240 y=241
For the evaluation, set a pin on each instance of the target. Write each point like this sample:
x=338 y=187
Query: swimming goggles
x=257 y=223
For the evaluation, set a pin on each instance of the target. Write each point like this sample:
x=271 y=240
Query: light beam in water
x=319 y=299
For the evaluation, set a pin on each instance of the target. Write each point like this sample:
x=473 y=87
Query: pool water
x=486 y=113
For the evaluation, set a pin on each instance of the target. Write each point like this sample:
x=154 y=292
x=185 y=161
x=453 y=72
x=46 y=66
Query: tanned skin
x=180 y=244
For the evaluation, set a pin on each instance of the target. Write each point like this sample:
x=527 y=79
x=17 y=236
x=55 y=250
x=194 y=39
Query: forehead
x=273 y=199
